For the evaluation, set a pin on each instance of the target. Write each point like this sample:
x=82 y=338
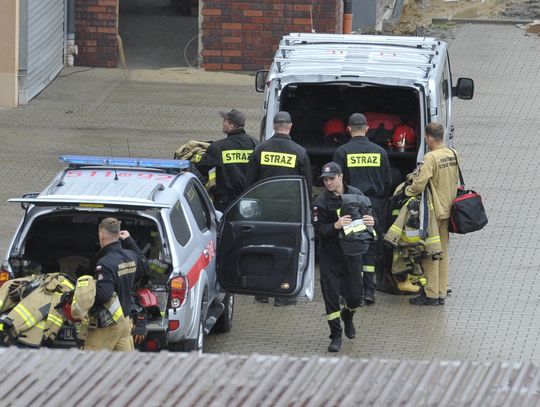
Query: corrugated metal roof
x=54 y=377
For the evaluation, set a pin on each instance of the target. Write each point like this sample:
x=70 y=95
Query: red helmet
x=404 y=138
x=334 y=131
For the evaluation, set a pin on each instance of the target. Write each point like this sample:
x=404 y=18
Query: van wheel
x=224 y=323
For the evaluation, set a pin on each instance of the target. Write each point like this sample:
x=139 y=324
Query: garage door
x=41 y=45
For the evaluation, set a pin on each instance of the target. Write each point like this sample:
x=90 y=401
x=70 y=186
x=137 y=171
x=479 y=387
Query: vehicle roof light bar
x=101 y=161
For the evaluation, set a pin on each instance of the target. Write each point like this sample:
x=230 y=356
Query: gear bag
x=467 y=214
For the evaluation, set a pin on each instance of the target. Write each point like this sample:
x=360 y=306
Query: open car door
x=266 y=241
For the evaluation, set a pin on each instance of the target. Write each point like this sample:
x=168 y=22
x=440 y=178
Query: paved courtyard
x=495 y=274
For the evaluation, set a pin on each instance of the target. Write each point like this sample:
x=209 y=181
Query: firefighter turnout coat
x=439 y=169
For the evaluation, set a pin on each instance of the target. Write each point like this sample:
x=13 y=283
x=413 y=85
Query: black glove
x=6 y=337
x=139 y=329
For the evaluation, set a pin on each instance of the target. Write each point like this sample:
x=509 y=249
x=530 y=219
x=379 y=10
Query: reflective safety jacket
x=230 y=158
x=279 y=155
x=16 y=284
x=83 y=297
x=365 y=166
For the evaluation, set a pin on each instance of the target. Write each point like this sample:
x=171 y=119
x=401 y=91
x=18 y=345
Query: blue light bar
x=125 y=162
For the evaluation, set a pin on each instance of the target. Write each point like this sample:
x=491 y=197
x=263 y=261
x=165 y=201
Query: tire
x=196 y=344
x=224 y=323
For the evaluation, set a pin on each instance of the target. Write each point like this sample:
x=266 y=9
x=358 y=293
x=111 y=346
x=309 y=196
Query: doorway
x=159 y=33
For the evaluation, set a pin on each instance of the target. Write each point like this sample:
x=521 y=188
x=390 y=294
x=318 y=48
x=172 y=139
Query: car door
x=266 y=241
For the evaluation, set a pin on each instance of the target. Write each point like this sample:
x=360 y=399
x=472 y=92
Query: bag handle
x=459 y=169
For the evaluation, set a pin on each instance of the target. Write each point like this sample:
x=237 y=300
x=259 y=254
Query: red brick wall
x=243 y=35
x=95 y=33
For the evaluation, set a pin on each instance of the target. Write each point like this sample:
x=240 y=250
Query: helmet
x=334 y=131
x=404 y=138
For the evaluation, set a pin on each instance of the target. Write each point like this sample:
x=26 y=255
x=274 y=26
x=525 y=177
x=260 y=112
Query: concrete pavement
x=495 y=278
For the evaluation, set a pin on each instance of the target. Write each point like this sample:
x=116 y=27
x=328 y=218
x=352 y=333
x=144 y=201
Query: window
x=180 y=225
x=274 y=201
x=198 y=207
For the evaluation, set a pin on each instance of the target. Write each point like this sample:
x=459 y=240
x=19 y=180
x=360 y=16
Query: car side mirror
x=249 y=208
x=260 y=80
x=464 y=89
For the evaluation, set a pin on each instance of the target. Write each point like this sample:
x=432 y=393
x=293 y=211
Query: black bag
x=467 y=214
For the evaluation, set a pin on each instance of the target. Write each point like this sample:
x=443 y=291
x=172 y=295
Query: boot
x=407 y=287
x=335 y=345
x=349 y=328
x=369 y=297
x=422 y=299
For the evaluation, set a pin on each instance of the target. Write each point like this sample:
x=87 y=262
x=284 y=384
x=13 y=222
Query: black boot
x=349 y=328
x=369 y=297
x=335 y=345
x=422 y=299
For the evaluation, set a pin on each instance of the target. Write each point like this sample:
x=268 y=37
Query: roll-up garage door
x=41 y=45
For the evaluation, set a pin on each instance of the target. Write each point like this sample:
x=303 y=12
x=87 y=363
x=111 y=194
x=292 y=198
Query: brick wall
x=95 y=26
x=243 y=35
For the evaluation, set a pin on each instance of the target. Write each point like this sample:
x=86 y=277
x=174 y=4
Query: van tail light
x=4 y=274
x=179 y=290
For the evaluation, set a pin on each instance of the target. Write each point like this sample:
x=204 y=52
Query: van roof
x=371 y=56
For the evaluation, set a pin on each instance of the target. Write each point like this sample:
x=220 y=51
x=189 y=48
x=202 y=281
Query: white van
x=321 y=79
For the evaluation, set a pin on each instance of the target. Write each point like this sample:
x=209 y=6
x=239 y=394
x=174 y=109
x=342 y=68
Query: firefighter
x=336 y=278
x=279 y=155
x=117 y=264
x=229 y=157
x=440 y=171
x=366 y=167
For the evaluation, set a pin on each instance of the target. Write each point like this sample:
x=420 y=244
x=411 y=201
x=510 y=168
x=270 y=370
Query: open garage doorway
x=159 y=33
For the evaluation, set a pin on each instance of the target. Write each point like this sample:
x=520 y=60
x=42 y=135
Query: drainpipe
x=347 y=16
x=71 y=48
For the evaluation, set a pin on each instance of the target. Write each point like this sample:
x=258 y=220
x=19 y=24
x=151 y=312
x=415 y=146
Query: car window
x=273 y=201
x=198 y=207
x=180 y=225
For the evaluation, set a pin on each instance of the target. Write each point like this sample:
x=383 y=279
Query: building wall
x=9 y=52
x=95 y=33
x=243 y=35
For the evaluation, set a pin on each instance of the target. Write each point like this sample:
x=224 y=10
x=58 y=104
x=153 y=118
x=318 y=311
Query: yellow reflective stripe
x=396 y=230
x=55 y=320
x=212 y=174
x=1 y=327
x=411 y=233
x=347 y=230
x=276 y=159
x=395 y=212
x=41 y=325
x=433 y=240
x=338 y=211
x=25 y=315
x=413 y=239
x=235 y=156
x=68 y=284
x=117 y=314
x=364 y=160
x=333 y=315
x=198 y=156
x=1 y=303
x=369 y=269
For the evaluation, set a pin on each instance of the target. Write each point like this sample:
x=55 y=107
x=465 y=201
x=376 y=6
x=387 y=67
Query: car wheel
x=224 y=323
x=196 y=344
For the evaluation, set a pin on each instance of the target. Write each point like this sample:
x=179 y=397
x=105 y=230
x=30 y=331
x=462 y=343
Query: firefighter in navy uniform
x=229 y=157
x=366 y=167
x=337 y=278
x=279 y=155
x=118 y=263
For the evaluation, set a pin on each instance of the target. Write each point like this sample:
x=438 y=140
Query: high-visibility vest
x=83 y=297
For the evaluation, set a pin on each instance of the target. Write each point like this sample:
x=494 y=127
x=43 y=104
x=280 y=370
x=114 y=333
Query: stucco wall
x=9 y=52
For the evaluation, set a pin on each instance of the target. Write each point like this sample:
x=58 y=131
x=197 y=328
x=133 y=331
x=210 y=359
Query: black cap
x=357 y=119
x=330 y=169
x=282 y=117
x=235 y=117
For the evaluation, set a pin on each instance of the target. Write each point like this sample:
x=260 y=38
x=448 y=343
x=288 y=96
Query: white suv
x=262 y=245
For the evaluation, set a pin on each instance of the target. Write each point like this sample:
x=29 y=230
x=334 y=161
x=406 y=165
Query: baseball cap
x=330 y=169
x=282 y=117
x=235 y=117
x=357 y=119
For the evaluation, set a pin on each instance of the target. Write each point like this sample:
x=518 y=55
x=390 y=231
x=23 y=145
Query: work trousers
x=436 y=271
x=116 y=337
x=373 y=265
x=336 y=281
